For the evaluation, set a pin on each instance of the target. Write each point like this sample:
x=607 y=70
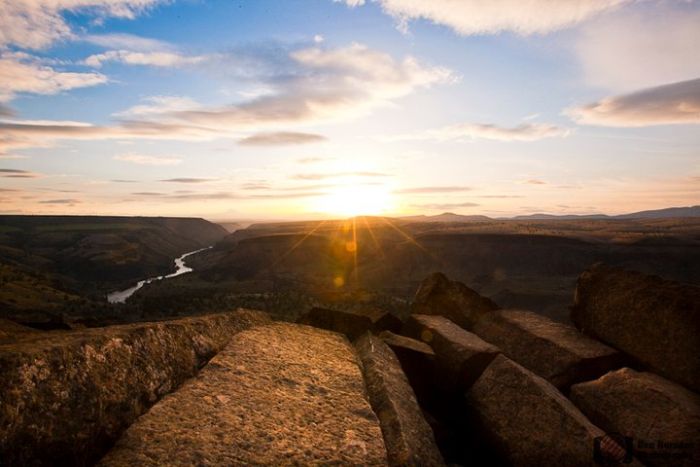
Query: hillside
x=50 y=262
x=526 y=264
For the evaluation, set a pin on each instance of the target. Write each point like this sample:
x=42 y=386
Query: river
x=120 y=296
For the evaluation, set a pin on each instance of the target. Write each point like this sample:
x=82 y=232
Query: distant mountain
x=445 y=217
x=690 y=211
x=541 y=217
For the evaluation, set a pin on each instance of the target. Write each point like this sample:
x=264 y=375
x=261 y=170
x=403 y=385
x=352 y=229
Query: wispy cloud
x=21 y=73
x=475 y=17
x=433 y=189
x=16 y=173
x=280 y=139
x=156 y=59
x=36 y=24
x=533 y=181
x=676 y=103
x=312 y=159
x=323 y=176
x=323 y=85
x=443 y=206
x=142 y=159
x=188 y=180
x=471 y=131
x=69 y=201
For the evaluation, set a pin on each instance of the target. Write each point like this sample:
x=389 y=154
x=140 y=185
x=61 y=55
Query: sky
x=319 y=108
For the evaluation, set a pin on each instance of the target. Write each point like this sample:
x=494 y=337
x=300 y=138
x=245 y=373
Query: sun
x=355 y=200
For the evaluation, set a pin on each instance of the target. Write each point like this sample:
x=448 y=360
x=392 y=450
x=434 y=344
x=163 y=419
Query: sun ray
x=296 y=245
x=374 y=237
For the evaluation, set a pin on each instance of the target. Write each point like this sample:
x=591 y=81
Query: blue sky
x=308 y=109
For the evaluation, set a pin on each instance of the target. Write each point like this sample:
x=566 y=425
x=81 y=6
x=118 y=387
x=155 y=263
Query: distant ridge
x=445 y=217
x=541 y=217
x=689 y=211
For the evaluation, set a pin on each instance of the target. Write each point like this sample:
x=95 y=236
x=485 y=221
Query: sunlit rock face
x=352 y=323
x=460 y=356
x=661 y=417
x=558 y=352
x=438 y=295
x=282 y=394
x=408 y=437
x=655 y=321
x=528 y=420
x=67 y=395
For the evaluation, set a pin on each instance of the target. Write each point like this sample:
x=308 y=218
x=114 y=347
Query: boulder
x=408 y=438
x=437 y=295
x=528 y=420
x=460 y=356
x=417 y=360
x=282 y=394
x=352 y=323
x=661 y=417
x=555 y=351
x=67 y=395
x=655 y=321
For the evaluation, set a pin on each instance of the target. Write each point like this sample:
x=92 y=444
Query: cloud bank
x=476 y=17
x=676 y=103
x=20 y=73
x=36 y=24
x=324 y=85
x=639 y=49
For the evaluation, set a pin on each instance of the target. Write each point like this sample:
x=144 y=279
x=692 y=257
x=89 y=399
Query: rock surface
x=528 y=420
x=655 y=321
x=437 y=295
x=649 y=409
x=408 y=438
x=460 y=355
x=282 y=394
x=67 y=395
x=555 y=351
x=352 y=323
x=417 y=361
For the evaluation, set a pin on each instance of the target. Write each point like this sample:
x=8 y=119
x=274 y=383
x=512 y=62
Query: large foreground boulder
x=282 y=394
x=555 y=351
x=408 y=437
x=437 y=295
x=528 y=421
x=661 y=417
x=67 y=395
x=655 y=321
x=352 y=323
x=460 y=355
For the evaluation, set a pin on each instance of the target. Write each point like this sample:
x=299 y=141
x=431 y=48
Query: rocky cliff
x=460 y=381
